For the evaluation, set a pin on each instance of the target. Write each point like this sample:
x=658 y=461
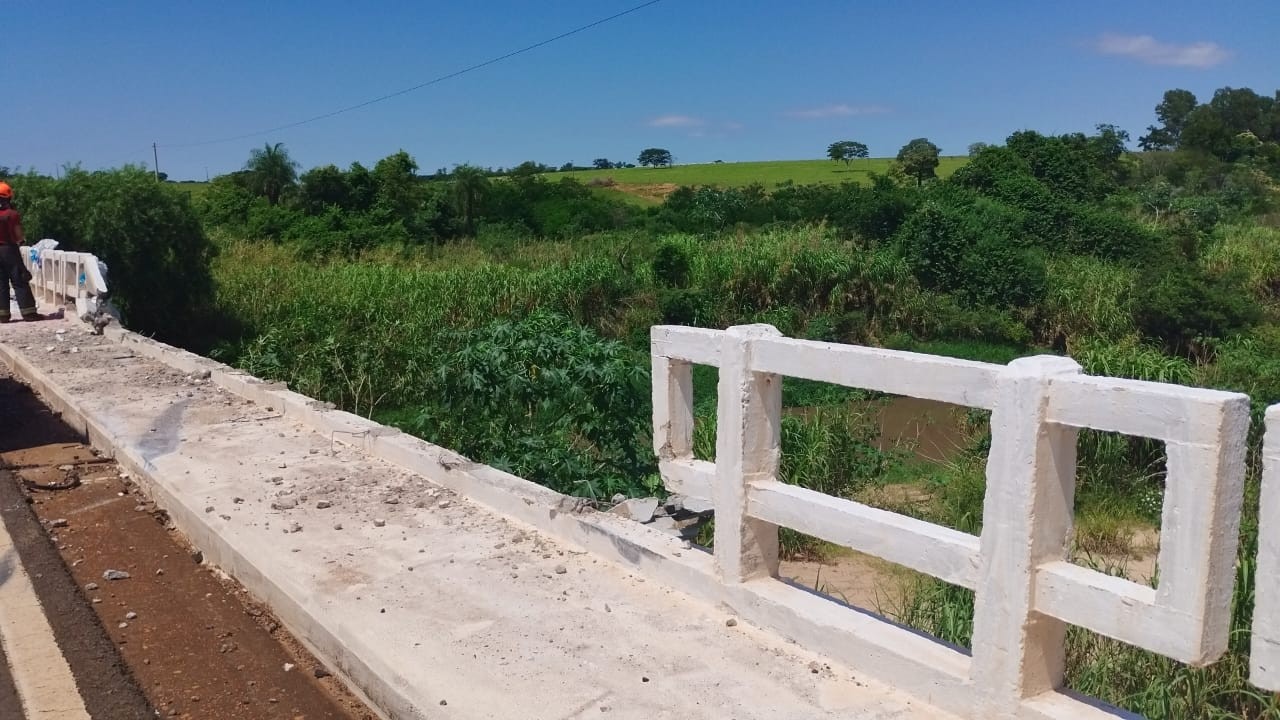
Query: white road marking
x=44 y=681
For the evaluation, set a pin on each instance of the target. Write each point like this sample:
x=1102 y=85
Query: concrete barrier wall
x=1026 y=590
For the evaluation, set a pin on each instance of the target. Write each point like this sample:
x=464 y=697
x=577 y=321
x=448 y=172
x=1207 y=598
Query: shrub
x=963 y=244
x=1109 y=235
x=546 y=400
x=146 y=232
x=1180 y=306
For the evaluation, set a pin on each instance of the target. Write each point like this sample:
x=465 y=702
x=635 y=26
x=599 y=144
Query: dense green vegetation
x=508 y=317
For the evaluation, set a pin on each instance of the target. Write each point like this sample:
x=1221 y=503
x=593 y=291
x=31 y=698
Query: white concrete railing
x=1264 y=656
x=1026 y=590
x=59 y=275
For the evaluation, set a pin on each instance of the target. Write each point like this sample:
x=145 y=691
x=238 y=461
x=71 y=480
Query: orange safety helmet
x=6 y=191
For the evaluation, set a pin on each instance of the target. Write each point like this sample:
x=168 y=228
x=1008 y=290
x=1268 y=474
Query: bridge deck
x=419 y=597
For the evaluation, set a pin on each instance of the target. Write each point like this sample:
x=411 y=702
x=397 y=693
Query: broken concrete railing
x=1026 y=590
x=60 y=276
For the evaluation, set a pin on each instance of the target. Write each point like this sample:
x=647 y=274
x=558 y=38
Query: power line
x=419 y=86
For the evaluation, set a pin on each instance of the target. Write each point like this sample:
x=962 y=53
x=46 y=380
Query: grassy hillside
x=768 y=173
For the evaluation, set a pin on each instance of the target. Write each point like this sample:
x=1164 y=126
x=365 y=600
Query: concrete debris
x=91 y=587
x=284 y=505
x=324 y=505
x=619 y=498
x=665 y=523
x=59 y=523
x=679 y=503
x=295 y=528
x=337 y=526
x=379 y=523
x=638 y=509
x=560 y=569
x=123 y=625
x=289 y=666
x=131 y=615
x=115 y=575
x=321 y=673
x=391 y=500
x=730 y=622
x=443 y=504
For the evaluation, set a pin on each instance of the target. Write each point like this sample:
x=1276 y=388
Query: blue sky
x=96 y=83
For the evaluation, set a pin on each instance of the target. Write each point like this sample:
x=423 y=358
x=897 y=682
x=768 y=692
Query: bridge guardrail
x=1027 y=590
x=73 y=276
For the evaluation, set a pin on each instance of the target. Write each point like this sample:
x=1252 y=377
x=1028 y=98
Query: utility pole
x=155 y=154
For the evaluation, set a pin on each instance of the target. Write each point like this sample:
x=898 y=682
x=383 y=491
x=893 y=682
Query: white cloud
x=675 y=121
x=1147 y=49
x=841 y=110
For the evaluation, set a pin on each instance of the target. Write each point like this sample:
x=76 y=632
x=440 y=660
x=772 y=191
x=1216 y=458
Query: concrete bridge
x=418 y=575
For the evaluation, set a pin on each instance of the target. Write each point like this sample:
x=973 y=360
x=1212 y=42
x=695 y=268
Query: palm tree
x=470 y=184
x=271 y=171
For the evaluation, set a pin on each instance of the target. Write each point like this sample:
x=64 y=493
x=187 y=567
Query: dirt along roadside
x=169 y=633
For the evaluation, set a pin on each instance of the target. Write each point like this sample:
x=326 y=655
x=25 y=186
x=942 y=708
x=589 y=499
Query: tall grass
x=1252 y=251
x=1087 y=297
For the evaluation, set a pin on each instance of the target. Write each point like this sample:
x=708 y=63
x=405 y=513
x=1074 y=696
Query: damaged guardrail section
x=59 y=275
x=1027 y=591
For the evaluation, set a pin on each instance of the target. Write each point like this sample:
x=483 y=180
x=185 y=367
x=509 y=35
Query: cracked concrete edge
x=375 y=686
x=913 y=663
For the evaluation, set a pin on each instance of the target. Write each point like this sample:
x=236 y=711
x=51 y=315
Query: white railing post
x=748 y=445
x=1264 y=655
x=1027 y=518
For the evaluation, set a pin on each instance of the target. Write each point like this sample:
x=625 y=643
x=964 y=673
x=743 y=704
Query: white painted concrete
x=1026 y=591
x=46 y=687
x=476 y=610
x=1264 y=658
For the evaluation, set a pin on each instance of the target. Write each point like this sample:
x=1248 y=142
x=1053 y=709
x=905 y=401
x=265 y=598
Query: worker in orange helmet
x=12 y=271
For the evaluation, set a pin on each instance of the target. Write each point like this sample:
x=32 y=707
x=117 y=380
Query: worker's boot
x=34 y=316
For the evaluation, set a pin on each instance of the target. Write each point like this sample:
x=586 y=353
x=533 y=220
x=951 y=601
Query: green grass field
x=641 y=186
x=769 y=174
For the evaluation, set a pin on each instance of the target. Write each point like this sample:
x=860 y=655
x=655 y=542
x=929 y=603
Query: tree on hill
x=601 y=164
x=919 y=159
x=655 y=157
x=1172 y=112
x=975 y=148
x=271 y=172
x=846 y=151
x=323 y=186
x=470 y=185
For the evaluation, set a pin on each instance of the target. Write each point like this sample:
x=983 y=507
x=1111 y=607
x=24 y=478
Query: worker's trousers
x=13 y=272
